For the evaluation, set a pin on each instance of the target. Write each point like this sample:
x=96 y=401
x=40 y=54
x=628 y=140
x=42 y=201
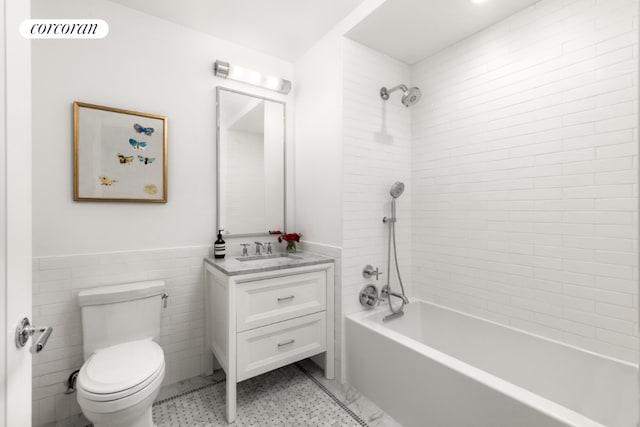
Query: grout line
x=185 y=393
x=332 y=396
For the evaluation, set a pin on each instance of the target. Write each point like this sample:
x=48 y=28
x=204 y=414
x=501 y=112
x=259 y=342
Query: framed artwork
x=118 y=155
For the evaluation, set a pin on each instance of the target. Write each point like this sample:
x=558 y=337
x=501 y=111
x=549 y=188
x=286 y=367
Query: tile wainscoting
x=56 y=283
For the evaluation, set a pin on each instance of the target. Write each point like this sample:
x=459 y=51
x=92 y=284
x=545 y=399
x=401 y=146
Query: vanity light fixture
x=241 y=74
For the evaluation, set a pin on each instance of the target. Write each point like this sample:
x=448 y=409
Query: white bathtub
x=436 y=367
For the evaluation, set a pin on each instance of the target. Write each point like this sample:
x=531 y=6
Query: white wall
x=524 y=178
x=149 y=65
x=318 y=135
x=376 y=153
x=142 y=65
x=319 y=158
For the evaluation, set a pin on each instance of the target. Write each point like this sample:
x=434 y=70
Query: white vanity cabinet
x=259 y=319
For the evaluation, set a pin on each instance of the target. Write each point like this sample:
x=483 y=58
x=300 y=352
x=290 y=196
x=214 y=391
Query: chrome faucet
x=269 y=251
x=259 y=246
x=386 y=291
x=245 y=251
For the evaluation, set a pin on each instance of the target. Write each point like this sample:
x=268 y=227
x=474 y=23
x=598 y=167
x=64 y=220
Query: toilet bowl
x=124 y=366
x=117 y=385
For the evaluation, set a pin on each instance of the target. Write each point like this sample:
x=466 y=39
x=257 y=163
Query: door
x=15 y=214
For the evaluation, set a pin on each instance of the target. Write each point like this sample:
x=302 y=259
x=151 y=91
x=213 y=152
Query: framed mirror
x=251 y=163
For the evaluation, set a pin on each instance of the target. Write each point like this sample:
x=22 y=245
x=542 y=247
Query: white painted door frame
x=15 y=214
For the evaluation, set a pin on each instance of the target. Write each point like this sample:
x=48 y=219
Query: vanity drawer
x=264 y=349
x=268 y=301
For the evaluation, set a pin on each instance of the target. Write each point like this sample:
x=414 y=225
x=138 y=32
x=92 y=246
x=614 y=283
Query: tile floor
x=286 y=397
x=260 y=402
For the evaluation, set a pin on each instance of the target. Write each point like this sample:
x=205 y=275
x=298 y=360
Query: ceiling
x=412 y=30
x=282 y=28
x=408 y=30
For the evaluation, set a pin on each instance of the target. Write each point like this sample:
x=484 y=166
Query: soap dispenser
x=219 y=247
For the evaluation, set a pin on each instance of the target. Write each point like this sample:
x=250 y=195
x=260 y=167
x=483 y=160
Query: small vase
x=291 y=247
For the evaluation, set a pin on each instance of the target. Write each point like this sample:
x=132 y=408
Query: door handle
x=24 y=330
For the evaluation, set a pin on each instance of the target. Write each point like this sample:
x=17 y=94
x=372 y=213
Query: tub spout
x=392 y=316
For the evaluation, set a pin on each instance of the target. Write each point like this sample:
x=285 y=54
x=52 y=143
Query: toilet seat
x=120 y=371
x=143 y=397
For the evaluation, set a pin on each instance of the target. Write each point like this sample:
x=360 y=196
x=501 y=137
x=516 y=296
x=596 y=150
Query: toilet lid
x=121 y=367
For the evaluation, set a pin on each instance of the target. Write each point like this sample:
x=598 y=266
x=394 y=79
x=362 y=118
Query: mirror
x=251 y=163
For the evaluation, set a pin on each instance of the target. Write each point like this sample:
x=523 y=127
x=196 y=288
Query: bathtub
x=436 y=367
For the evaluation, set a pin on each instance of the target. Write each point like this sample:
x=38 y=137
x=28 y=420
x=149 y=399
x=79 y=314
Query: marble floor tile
x=296 y=395
x=350 y=396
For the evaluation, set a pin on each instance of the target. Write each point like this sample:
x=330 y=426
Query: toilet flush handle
x=165 y=298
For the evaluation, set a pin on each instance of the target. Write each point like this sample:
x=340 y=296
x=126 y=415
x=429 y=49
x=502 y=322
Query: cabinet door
x=264 y=349
x=263 y=302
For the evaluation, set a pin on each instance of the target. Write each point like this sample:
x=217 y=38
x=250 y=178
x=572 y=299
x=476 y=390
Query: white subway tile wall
x=376 y=153
x=525 y=171
x=56 y=283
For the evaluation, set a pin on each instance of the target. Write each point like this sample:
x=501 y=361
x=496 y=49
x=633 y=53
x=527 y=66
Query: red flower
x=290 y=237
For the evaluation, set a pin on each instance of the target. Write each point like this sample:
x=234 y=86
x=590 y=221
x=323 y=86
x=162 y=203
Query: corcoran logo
x=64 y=29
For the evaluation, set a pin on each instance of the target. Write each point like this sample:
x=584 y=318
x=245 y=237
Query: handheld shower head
x=397 y=189
x=410 y=96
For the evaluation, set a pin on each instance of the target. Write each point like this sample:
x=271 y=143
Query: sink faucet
x=259 y=246
x=245 y=251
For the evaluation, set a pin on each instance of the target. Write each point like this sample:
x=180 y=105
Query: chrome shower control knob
x=369 y=296
x=368 y=271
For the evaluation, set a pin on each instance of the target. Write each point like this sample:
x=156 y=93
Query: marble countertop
x=231 y=266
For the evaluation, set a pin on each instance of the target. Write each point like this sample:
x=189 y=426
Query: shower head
x=397 y=189
x=410 y=96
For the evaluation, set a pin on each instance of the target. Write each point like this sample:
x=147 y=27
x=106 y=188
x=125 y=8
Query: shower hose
x=392 y=237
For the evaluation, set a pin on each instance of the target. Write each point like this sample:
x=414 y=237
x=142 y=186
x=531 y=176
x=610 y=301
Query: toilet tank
x=119 y=313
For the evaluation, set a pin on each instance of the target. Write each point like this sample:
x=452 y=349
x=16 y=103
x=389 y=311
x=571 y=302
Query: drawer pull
x=288 y=342
x=290 y=297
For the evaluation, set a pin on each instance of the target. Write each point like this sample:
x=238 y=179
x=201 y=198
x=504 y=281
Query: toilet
x=124 y=365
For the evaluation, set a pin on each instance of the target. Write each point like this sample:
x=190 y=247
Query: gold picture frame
x=118 y=155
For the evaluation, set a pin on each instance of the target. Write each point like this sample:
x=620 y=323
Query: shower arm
x=384 y=92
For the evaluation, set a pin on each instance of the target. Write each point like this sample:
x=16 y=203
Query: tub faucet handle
x=369 y=296
x=368 y=271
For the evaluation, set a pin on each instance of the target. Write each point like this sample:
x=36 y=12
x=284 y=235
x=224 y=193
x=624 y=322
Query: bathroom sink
x=263 y=257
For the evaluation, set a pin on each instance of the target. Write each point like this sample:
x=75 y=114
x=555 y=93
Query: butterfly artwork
x=106 y=180
x=146 y=160
x=137 y=145
x=142 y=129
x=150 y=189
x=125 y=159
